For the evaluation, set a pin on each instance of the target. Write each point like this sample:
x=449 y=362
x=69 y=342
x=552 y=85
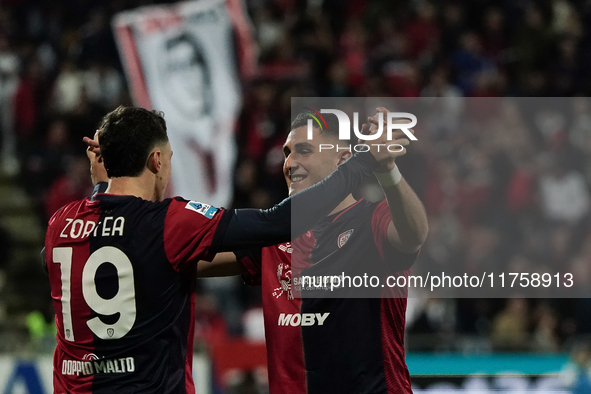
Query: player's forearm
x=318 y=201
x=409 y=218
x=295 y=215
x=223 y=264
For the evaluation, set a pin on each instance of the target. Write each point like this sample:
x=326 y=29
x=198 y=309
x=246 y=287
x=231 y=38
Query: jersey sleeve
x=379 y=224
x=249 y=262
x=189 y=228
x=248 y=228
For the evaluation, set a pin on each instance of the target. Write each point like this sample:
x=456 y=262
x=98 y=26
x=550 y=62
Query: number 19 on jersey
x=122 y=303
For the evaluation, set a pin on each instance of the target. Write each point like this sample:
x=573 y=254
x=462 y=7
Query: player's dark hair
x=331 y=128
x=126 y=137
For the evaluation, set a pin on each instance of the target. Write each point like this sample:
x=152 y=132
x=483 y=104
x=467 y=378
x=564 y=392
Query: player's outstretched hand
x=97 y=167
x=385 y=151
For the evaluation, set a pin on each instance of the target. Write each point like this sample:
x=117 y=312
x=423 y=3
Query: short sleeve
x=189 y=228
x=250 y=264
x=379 y=224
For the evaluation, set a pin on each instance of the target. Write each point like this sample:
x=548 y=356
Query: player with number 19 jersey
x=121 y=284
x=122 y=272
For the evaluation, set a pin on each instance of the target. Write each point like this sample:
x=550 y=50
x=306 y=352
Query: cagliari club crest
x=344 y=237
x=284 y=279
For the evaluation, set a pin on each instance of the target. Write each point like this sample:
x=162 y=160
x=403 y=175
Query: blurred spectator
x=9 y=68
x=481 y=251
x=97 y=42
x=470 y=61
x=48 y=159
x=258 y=119
x=73 y=185
x=68 y=87
x=562 y=11
x=353 y=45
x=28 y=104
x=338 y=80
x=422 y=32
x=210 y=326
x=439 y=86
x=533 y=41
x=563 y=192
x=580 y=131
x=454 y=24
x=510 y=327
x=246 y=181
x=494 y=40
x=580 y=266
x=254 y=324
x=546 y=329
x=85 y=116
x=104 y=85
x=566 y=70
x=226 y=291
x=521 y=190
x=269 y=27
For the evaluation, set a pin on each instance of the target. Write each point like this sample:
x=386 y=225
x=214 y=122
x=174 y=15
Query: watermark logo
x=345 y=128
x=315 y=115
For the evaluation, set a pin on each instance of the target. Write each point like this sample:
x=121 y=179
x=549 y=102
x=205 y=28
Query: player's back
x=123 y=295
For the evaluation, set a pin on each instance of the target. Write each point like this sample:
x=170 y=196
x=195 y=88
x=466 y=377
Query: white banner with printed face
x=181 y=59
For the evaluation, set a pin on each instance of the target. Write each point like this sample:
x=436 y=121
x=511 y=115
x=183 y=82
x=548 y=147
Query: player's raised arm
x=408 y=228
x=98 y=176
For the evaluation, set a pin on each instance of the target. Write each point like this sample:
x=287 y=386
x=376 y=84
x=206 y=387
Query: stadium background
x=60 y=72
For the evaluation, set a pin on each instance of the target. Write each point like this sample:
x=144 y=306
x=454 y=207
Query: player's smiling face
x=305 y=165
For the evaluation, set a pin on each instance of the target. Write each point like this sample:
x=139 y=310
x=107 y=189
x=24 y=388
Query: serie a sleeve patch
x=204 y=209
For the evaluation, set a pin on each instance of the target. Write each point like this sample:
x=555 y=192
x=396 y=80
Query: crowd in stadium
x=489 y=204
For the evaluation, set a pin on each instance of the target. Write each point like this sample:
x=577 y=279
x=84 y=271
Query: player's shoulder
x=69 y=209
x=376 y=209
x=362 y=208
x=184 y=206
x=367 y=214
x=129 y=205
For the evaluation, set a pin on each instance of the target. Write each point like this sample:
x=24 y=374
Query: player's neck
x=141 y=186
x=347 y=202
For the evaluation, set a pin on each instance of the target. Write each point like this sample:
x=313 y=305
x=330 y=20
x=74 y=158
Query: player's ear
x=344 y=155
x=155 y=160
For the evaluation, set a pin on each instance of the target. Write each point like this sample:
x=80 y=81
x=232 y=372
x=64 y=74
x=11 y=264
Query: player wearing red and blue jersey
x=328 y=345
x=122 y=264
x=337 y=345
